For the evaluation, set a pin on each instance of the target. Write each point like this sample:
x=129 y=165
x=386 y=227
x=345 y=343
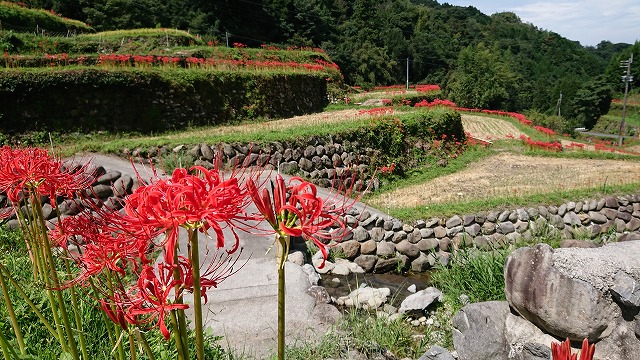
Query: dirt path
x=509 y=175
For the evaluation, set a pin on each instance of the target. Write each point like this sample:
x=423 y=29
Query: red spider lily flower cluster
x=427 y=88
x=544 y=130
x=551 y=146
x=376 y=112
x=562 y=351
x=33 y=169
x=121 y=242
x=296 y=209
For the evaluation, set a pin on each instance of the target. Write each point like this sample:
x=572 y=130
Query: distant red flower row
x=551 y=146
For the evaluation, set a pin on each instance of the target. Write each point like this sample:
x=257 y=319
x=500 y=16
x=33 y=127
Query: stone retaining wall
x=381 y=244
x=323 y=160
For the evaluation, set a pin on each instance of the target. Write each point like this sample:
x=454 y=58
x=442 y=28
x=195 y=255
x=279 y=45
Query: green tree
x=482 y=79
x=592 y=101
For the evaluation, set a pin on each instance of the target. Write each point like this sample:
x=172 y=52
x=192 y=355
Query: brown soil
x=513 y=175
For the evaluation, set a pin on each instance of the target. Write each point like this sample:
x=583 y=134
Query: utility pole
x=407 y=74
x=559 y=103
x=226 y=36
x=626 y=79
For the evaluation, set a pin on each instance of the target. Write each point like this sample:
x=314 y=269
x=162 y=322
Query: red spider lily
x=203 y=201
x=153 y=296
x=562 y=351
x=33 y=169
x=296 y=209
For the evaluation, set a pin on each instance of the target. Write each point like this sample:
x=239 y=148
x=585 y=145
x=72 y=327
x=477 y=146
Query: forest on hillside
x=493 y=62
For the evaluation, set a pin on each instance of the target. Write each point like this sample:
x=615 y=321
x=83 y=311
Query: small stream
x=398 y=284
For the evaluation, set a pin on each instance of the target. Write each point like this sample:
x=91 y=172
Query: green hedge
x=17 y=16
x=89 y=99
x=395 y=139
x=412 y=99
x=138 y=41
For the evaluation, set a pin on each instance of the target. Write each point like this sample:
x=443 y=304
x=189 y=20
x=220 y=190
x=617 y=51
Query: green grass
x=40 y=344
x=369 y=335
x=476 y=274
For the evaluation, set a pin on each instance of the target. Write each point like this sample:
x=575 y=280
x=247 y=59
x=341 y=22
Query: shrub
x=146 y=100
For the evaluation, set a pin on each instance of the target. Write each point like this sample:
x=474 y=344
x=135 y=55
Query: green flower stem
x=33 y=307
x=7 y=350
x=181 y=329
x=12 y=314
x=73 y=346
x=281 y=256
x=76 y=314
x=177 y=337
x=145 y=345
x=132 y=345
x=197 y=300
x=116 y=327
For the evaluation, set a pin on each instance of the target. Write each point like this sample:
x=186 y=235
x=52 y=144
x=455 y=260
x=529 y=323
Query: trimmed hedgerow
x=150 y=100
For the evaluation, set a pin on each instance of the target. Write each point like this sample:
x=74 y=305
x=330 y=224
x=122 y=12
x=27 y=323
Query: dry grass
x=512 y=175
x=489 y=128
x=324 y=118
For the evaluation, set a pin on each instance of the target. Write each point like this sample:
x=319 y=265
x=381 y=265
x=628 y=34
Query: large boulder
x=572 y=292
x=478 y=331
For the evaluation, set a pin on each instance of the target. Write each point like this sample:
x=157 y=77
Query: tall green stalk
x=282 y=244
x=194 y=258
x=180 y=326
x=33 y=307
x=12 y=315
x=7 y=350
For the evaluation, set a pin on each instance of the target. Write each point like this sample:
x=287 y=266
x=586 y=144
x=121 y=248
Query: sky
x=588 y=22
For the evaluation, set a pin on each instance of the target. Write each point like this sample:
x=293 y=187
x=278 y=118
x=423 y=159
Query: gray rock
x=609 y=213
x=398 y=236
x=440 y=232
x=549 y=289
x=562 y=209
x=525 y=340
x=296 y=257
x=207 y=153
x=523 y=215
x=572 y=219
x=385 y=265
x=368 y=247
x=597 y=217
x=365 y=298
x=340 y=269
x=366 y=262
x=427 y=244
x=360 y=234
x=437 y=353
x=414 y=236
x=505 y=227
x=109 y=177
x=626 y=290
x=377 y=234
x=407 y=248
x=504 y=216
x=473 y=230
x=314 y=277
x=444 y=258
x=454 y=221
x=122 y=186
x=385 y=249
x=455 y=230
x=289 y=167
x=422 y=263
x=633 y=224
x=320 y=294
x=426 y=233
x=478 y=331
x=350 y=249
x=421 y=300
x=488 y=228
